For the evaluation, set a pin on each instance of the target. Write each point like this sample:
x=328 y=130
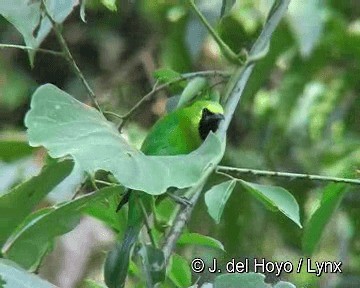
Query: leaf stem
x=69 y=57
x=267 y=173
x=27 y=48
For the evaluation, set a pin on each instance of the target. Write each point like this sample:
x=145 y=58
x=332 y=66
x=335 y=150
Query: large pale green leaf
x=217 y=197
x=20 y=201
x=275 y=198
x=332 y=196
x=31 y=242
x=27 y=18
x=13 y=276
x=66 y=126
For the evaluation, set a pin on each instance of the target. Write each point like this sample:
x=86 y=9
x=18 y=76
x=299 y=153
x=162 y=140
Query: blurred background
x=299 y=113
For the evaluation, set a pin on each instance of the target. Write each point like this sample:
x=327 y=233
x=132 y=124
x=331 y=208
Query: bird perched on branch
x=179 y=132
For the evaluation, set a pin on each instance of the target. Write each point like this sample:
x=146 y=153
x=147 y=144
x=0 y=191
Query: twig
x=137 y=105
x=113 y=114
x=69 y=56
x=105 y=182
x=93 y=182
x=180 y=221
x=233 y=94
x=287 y=175
x=146 y=221
x=157 y=88
x=27 y=48
x=228 y=53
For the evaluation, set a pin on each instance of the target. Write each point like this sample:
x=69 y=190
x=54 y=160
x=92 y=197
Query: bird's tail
x=124 y=199
x=117 y=261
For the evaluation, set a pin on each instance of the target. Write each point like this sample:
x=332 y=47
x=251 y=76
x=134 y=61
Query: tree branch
x=233 y=94
x=69 y=57
x=287 y=175
x=180 y=221
x=27 y=48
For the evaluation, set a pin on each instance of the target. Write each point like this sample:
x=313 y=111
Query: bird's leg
x=182 y=200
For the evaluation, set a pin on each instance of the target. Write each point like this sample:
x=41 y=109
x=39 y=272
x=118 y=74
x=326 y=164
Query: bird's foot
x=182 y=200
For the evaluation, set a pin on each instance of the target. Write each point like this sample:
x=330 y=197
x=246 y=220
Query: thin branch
x=287 y=175
x=69 y=57
x=228 y=53
x=27 y=48
x=93 y=182
x=180 y=221
x=146 y=221
x=113 y=114
x=233 y=94
x=137 y=105
x=238 y=82
x=156 y=88
x=105 y=182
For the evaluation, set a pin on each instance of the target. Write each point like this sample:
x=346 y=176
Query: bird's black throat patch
x=209 y=122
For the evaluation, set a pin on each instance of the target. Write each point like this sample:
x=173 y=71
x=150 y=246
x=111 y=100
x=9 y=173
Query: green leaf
x=166 y=75
x=191 y=90
x=29 y=244
x=15 y=277
x=198 y=239
x=246 y=280
x=331 y=198
x=28 y=19
x=307 y=22
x=275 y=198
x=179 y=271
x=154 y=264
x=63 y=124
x=11 y=150
x=109 y=4
x=217 y=197
x=20 y=201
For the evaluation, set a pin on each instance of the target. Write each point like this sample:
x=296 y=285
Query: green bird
x=179 y=132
